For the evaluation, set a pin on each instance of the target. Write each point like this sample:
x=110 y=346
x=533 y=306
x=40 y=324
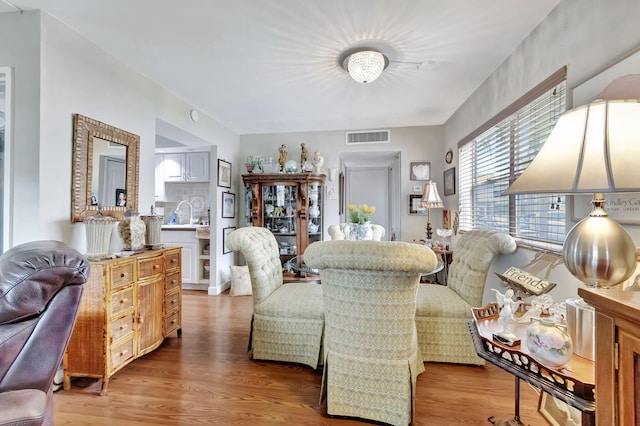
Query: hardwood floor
x=207 y=377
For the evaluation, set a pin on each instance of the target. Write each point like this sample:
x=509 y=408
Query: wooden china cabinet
x=617 y=355
x=290 y=205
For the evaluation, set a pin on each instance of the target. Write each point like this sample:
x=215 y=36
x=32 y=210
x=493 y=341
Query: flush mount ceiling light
x=364 y=64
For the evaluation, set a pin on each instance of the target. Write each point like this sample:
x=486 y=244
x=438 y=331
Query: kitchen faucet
x=190 y=210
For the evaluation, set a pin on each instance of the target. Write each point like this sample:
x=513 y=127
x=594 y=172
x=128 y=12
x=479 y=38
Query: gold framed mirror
x=104 y=170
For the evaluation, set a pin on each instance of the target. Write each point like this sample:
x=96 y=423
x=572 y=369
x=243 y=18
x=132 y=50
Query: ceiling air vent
x=368 y=136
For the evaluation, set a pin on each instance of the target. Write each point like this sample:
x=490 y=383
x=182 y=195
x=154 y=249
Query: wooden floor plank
x=207 y=377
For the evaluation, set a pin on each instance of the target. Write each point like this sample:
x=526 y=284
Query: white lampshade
x=430 y=198
x=366 y=66
x=592 y=149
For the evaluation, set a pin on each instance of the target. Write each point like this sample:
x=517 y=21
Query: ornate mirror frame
x=85 y=129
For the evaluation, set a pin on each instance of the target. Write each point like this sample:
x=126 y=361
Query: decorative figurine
x=508 y=307
x=283 y=156
x=317 y=161
x=304 y=155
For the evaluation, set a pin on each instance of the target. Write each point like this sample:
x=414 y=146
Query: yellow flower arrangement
x=360 y=214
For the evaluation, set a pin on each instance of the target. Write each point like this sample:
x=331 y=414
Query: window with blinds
x=493 y=159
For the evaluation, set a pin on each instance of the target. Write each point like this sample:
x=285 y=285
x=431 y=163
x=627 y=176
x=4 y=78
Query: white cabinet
x=190 y=255
x=186 y=167
x=160 y=191
x=197 y=166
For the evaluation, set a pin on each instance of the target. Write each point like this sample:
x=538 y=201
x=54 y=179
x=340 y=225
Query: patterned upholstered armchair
x=443 y=312
x=288 y=320
x=371 y=350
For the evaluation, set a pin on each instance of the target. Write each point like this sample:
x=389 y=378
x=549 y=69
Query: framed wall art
x=224 y=174
x=414 y=204
x=420 y=170
x=450 y=181
x=228 y=205
x=225 y=233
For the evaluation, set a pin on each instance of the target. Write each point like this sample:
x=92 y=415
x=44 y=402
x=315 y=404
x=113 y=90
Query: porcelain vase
x=548 y=343
x=360 y=231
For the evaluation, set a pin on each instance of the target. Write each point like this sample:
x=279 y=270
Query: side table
x=447 y=258
x=574 y=384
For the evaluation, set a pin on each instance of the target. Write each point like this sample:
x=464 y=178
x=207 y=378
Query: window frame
x=548 y=230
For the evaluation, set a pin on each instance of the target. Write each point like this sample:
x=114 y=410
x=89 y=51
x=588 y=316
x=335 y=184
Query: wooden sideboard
x=617 y=355
x=128 y=307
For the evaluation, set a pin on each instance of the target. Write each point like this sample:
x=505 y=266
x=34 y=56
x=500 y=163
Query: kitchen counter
x=185 y=227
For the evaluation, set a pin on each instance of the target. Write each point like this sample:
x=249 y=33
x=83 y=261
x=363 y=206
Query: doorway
x=373 y=178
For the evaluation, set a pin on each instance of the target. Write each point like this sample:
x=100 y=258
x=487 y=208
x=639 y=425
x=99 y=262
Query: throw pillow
x=240 y=281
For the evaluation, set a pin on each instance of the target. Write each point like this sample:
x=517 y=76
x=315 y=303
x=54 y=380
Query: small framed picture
x=121 y=197
x=414 y=204
x=557 y=412
x=446 y=219
x=420 y=170
x=450 y=181
x=228 y=205
x=224 y=174
x=225 y=233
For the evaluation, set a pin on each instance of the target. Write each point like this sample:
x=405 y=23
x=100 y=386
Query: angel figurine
x=508 y=307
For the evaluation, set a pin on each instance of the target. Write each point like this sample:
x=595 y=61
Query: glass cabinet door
x=280 y=207
x=315 y=212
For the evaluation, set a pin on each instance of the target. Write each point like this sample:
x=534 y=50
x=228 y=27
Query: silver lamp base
x=598 y=251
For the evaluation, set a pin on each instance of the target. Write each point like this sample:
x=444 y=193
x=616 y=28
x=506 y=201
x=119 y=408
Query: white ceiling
x=262 y=66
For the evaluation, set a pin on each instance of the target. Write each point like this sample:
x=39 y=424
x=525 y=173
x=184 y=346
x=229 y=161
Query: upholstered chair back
x=341 y=231
x=472 y=258
x=371 y=350
x=260 y=250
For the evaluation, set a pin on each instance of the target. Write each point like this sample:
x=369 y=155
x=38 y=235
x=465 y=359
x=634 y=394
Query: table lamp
x=593 y=148
x=430 y=200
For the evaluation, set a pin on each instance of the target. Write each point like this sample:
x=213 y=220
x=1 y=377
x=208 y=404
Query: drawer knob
x=122 y=275
x=174 y=260
x=123 y=301
x=124 y=327
x=156 y=266
x=123 y=353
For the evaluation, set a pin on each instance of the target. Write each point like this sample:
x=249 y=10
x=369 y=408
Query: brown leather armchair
x=40 y=289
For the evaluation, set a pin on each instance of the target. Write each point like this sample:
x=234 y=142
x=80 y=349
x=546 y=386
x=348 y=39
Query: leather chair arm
x=24 y=407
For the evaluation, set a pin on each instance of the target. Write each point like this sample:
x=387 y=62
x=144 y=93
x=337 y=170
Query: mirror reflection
x=105 y=169
x=109 y=174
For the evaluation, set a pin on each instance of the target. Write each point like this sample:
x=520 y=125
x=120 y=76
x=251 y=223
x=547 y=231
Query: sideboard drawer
x=122 y=275
x=173 y=260
x=172 y=301
x=173 y=280
x=121 y=353
x=151 y=267
x=121 y=327
x=172 y=323
x=121 y=301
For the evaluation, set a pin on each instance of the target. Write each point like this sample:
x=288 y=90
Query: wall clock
x=448 y=157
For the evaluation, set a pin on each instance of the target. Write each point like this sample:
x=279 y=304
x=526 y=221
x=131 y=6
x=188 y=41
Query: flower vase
x=548 y=343
x=360 y=231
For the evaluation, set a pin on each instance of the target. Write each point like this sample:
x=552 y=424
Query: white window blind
x=496 y=157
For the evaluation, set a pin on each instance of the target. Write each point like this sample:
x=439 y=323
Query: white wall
x=20 y=49
x=59 y=73
x=422 y=143
x=585 y=35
